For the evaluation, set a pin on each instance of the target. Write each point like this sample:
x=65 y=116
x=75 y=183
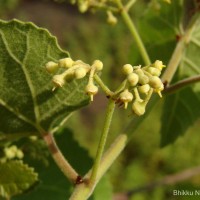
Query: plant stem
x=83 y=191
x=60 y=160
x=102 y=142
x=178 y=52
x=181 y=84
x=130 y=4
x=103 y=86
x=134 y=32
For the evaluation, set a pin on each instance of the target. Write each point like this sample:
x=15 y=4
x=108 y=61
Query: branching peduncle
x=107 y=91
x=129 y=22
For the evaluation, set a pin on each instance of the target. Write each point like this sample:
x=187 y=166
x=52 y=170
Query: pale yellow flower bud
x=144 y=88
x=126 y=97
x=65 y=62
x=127 y=69
x=19 y=154
x=155 y=82
x=91 y=90
x=80 y=73
x=154 y=71
x=51 y=67
x=58 y=80
x=159 y=64
x=143 y=79
x=133 y=79
x=138 y=108
x=98 y=65
x=111 y=19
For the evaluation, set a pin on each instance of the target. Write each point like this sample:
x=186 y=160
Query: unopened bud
x=111 y=18
x=133 y=79
x=159 y=64
x=58 y=80
x=155 y=82
x=138 y=108
x=91 y=90
x=154 y=71
x=143 y=79
x=80 y=73
x=126 y=97
x=65 y=62
x=51 y=67
x=127 y=69
x=98 y=65
x=144 y=88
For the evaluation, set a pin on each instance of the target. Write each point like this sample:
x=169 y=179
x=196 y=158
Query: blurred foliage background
x=89 y=37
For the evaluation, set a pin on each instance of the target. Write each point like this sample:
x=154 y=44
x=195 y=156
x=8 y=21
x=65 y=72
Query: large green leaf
x=181 y=110
x=26 y=100
x=15 y=178
x=53 y=184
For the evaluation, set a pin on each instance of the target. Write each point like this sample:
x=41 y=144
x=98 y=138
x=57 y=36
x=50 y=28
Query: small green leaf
x=15 y=178
x=27 y=103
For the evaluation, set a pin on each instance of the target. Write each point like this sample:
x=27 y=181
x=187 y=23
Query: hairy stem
x=60 y=160
x=129 y=22
x=102 y=142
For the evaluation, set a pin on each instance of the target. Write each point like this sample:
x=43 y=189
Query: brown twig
x=60 y=160
x=181 y=84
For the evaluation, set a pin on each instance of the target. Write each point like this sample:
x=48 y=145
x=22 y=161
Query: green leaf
x=26 y=100
x=15 y=178
x=158 y=27
x=53 y=184
x=181 y=109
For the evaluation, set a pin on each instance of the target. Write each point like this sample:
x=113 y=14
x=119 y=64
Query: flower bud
x=65 y=62
x=138 y=108
x=138 y=71
x=158 y=64
x=126 y=97
x=155 y=82
x=79 y=73
x=9 y=153
x=98 y=65
x=127 y=69
x=133 y=79
x=158 y=90
x=143 y=79
x=19 y=154
x=83 y=6
x=91 y=90
x=144 y=88
x=58 y=80
x=154 y=71
x=51 y=67
x=111 y=18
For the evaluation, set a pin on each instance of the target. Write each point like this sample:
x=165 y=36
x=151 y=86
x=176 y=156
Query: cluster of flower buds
x=141 y=83
x=13 y=152
x=75 y=70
